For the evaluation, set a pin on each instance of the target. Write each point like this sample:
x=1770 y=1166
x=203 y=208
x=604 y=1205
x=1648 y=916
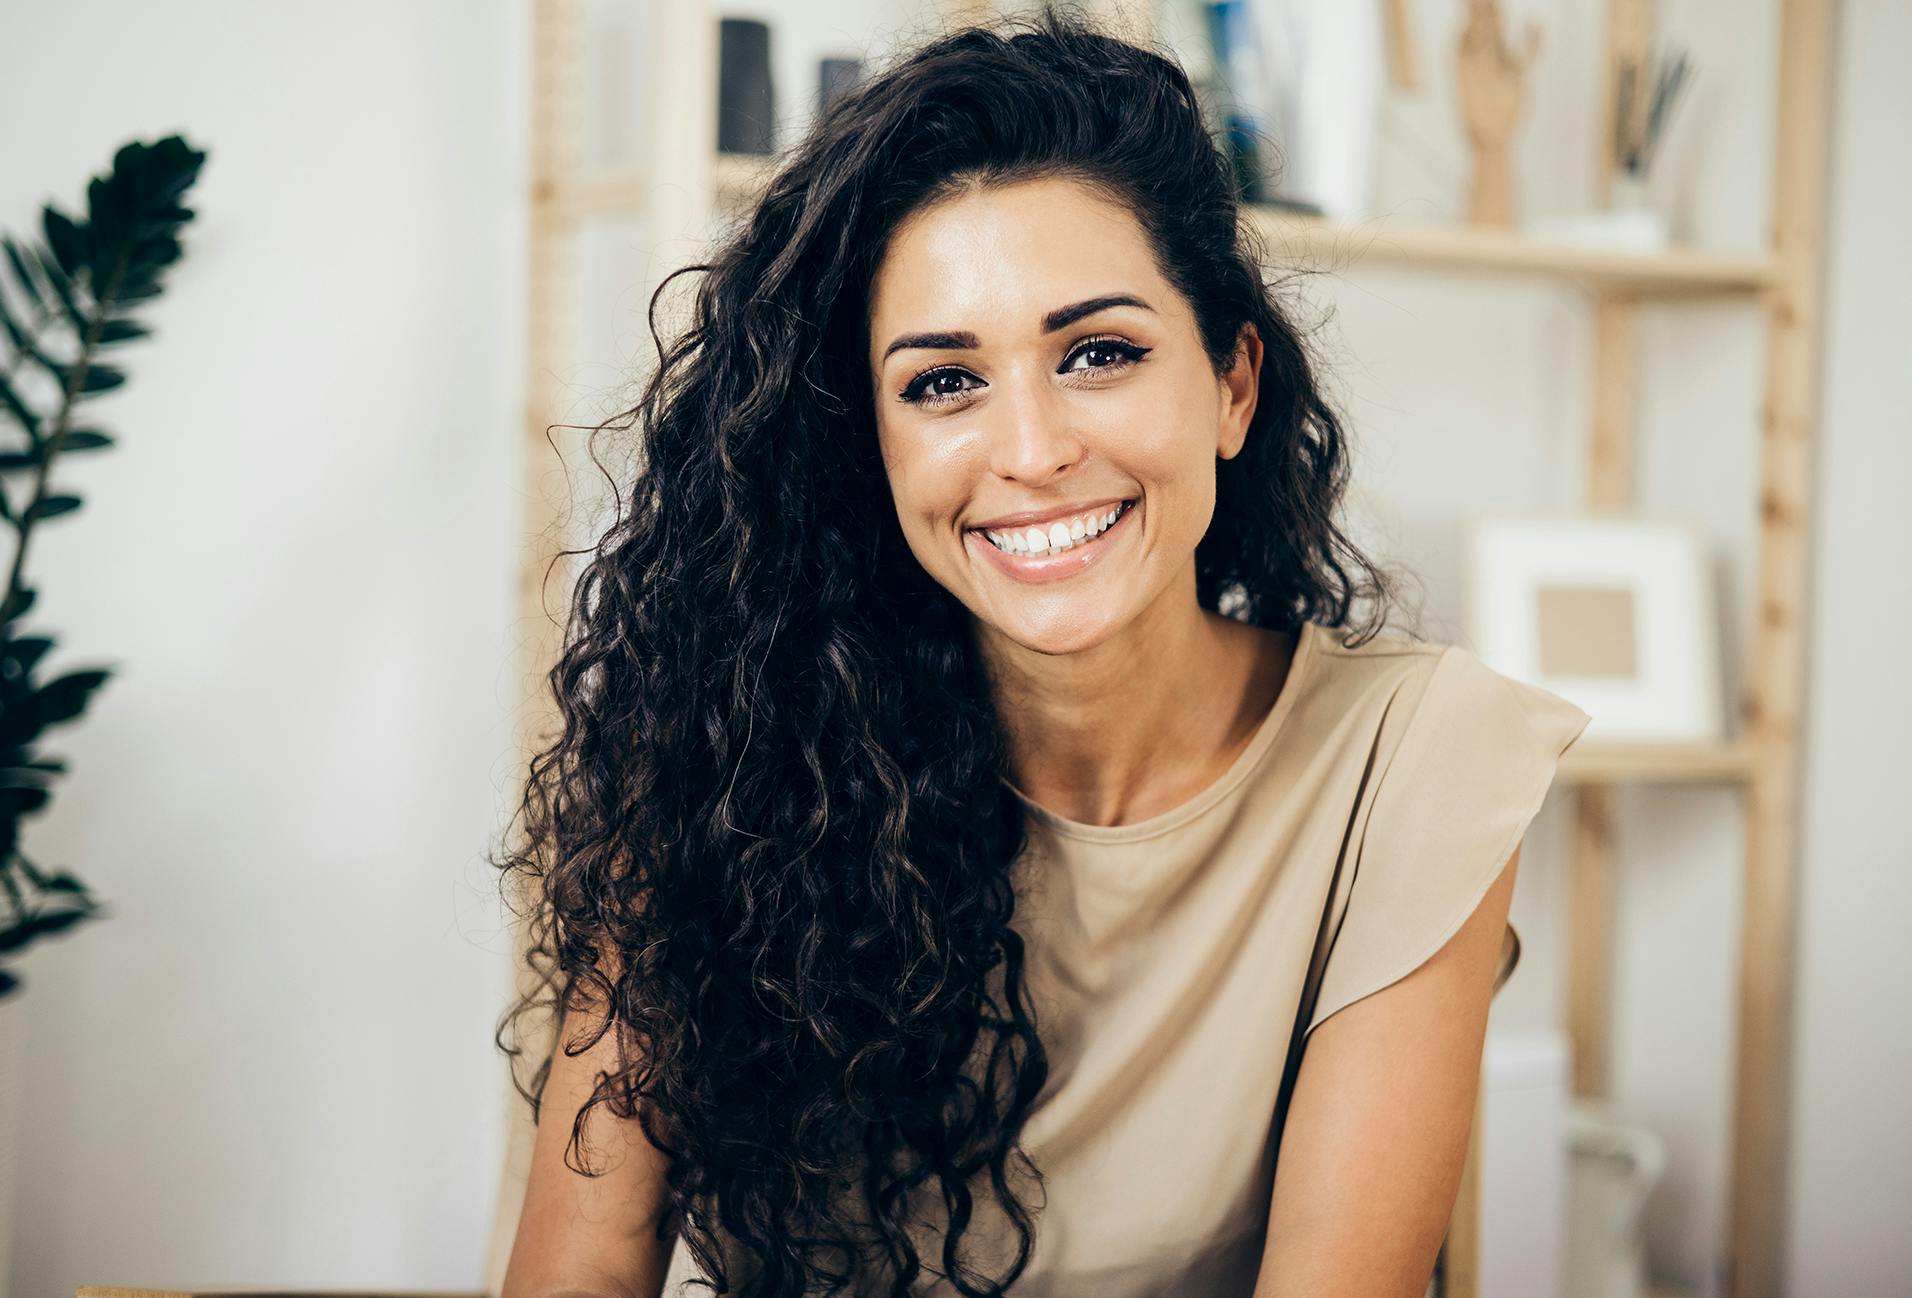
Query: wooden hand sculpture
x=1492 y=77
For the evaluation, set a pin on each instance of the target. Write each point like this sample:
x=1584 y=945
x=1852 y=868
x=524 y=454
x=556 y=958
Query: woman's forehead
x=1004 y=257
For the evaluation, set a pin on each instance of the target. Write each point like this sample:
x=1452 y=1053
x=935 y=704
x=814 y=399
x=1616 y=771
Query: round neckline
x=1180 y=814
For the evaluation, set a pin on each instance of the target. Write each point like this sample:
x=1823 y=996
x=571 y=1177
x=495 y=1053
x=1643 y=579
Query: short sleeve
x=1471 y=768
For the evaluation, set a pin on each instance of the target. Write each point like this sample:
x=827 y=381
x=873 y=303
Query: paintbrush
x=1664 y=94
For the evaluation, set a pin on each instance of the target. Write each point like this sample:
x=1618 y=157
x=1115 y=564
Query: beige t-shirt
x=1176 y=965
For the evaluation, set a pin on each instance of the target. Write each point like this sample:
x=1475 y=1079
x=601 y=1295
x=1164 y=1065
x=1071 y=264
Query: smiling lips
x=1048 y=552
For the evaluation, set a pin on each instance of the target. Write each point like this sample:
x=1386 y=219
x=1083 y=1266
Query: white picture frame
x=1615 y=613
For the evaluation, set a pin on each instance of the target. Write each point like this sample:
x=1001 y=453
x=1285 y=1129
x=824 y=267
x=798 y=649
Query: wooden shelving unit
x=1761 y=760
x=1681 y=273
x=1594 y=764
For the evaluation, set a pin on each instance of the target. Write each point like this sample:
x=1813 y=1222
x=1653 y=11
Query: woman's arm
x=1376 y=1135
x=589 y=1237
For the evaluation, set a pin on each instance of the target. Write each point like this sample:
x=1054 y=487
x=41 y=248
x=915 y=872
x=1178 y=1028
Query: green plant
x=76 y=293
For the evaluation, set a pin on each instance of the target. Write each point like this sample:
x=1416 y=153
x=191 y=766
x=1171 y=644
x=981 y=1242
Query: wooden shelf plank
x=1681 y=272
x=1616 y=763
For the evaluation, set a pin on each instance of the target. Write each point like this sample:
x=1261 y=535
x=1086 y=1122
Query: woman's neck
x=1143 y=722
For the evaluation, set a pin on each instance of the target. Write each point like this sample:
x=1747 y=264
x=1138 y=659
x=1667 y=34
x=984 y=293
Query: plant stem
x=50 y=447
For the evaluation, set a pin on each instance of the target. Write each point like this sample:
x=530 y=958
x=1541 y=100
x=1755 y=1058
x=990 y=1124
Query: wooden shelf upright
x=686 y=180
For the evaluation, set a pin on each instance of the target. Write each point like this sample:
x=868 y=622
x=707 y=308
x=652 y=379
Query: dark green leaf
x=14 y=461
x=156 y=250
x=23 y=600
x=8 y=983
x=29 y=284
x=102 y=378
x=22 y=800
x=85 y=439
x=108 y=216
x=53 y=507
x=129 y=166
x=27 y=651
x=65 y=697
x=175 y=166
x=133 y=212
x=119 y=331
x=44 y=924
x=62 y=289
x=67 y=240
x=20 y=338
x=64 y=882
x=25 y=341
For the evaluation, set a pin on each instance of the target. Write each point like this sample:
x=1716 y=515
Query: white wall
x=273 y=1064
x=303 y=559
x=1851 y=1170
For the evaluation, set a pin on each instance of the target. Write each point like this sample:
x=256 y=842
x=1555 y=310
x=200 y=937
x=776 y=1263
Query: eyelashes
x=916 y=393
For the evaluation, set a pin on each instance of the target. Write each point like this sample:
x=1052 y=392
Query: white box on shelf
x=1523 y=1163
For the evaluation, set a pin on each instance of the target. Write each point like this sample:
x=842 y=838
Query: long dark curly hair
x=772 y=843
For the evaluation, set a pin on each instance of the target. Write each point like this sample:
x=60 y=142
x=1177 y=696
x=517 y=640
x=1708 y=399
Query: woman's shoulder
x=1399 y=678
x=1388 y=651
x=1343 y=664
x=1382 y=649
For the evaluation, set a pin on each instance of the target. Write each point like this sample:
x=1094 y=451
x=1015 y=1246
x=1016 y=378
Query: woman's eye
x=937 y=394
x=1123 y=354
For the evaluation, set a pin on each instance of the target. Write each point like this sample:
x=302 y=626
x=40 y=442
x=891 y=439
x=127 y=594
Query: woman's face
x=1033 y=373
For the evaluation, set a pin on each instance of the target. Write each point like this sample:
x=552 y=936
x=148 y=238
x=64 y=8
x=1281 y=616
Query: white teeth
x=1057 y=536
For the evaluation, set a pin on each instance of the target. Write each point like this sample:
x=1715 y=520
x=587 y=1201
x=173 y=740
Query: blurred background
x=1615 y=311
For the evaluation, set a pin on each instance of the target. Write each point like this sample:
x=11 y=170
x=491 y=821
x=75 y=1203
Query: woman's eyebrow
x=1064 y=316
x=1060 y=318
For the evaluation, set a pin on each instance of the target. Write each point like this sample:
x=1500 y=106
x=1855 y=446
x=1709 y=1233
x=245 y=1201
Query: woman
x=975 y=787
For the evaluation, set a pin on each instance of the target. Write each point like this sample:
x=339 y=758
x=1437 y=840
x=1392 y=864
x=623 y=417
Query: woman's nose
x=1031 y=439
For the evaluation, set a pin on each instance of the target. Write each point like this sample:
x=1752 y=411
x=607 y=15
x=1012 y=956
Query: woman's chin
x=1053 y=632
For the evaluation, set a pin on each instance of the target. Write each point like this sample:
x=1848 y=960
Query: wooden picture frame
x=1616 y=612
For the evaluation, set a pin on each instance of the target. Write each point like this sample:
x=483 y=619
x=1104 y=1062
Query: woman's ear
x=1238 y=391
